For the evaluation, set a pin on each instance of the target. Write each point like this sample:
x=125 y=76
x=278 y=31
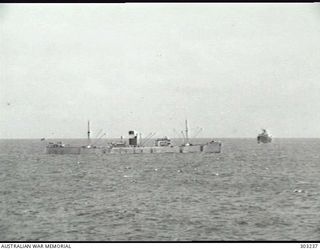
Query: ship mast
x=89 y=133
x=187 y=138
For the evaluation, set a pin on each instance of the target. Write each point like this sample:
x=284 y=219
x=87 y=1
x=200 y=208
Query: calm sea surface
x=248 y=192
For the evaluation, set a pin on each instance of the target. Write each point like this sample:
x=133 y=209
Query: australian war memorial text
x=34 y=245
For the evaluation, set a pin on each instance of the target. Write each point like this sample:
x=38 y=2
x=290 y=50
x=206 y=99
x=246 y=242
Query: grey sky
x=229 y=68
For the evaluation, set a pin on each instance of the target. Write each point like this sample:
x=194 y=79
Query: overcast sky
x=230 y=69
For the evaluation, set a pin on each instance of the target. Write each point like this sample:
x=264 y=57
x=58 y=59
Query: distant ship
x=264 y=137
x=161 y=145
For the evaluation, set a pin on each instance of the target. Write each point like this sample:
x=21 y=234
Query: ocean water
x=248 y=192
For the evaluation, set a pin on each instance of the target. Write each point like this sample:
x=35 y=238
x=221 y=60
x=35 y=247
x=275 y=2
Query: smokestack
x=133 y=138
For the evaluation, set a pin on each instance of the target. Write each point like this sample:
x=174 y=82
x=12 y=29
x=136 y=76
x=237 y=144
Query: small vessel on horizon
x=135 y=146
x=264 y=137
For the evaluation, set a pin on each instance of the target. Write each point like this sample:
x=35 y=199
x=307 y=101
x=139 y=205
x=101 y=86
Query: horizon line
x=82 y=138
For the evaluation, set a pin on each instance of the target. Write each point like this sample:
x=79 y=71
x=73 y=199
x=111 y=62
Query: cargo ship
x=132 y=146
x=264 y=137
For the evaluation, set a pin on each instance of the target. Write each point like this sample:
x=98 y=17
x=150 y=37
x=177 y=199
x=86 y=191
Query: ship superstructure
x=264 y=137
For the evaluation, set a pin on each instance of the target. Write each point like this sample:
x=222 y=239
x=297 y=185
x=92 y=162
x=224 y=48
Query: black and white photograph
x=159 y=122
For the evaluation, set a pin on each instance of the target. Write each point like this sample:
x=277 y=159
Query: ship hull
x=264 y=139
x=72 y=150
x=212 y=147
